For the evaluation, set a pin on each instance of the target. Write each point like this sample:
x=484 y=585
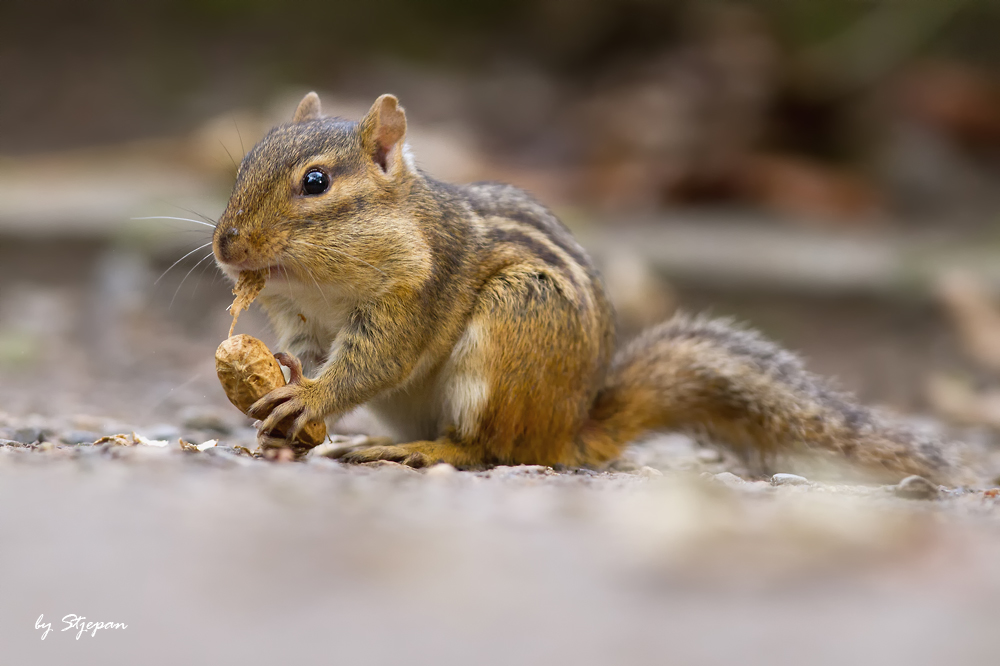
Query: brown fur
x=472 y=322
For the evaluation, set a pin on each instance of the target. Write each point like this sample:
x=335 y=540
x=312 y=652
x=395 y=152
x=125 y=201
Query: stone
x=916 y=487
x=230 y=454
x=79 y=437
x=709 y=456
x=728 y=478
x=440 y=470
x=789 y=480
x=29 y=435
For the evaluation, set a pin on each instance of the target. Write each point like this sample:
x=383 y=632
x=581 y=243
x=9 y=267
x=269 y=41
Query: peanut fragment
x=248 y=286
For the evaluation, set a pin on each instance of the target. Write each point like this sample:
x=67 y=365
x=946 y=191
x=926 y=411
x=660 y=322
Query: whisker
x=187 y=210
x=236 y=169
x=281 y=268
x=168 y=217
x=217 y=273
x=312 y=277
x=318 y=288
x=202 y=247
x=244 y=150
x=194 y=212
x=177 y=291
x=202 y=275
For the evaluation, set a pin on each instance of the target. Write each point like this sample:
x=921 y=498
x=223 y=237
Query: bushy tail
x=710 y=378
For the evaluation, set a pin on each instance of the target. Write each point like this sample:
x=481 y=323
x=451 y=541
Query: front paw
x=400 y=454
x=286 y=412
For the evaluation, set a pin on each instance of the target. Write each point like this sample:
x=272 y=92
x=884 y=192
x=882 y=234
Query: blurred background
x=826 y=171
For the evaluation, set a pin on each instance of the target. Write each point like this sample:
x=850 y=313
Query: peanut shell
x=248 y=371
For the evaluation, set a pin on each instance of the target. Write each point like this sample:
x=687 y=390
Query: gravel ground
x=217 y=556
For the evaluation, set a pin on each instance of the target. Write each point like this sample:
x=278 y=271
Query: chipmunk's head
x=324 y=200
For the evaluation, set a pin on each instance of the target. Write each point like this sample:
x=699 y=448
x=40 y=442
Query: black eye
x=315 y=182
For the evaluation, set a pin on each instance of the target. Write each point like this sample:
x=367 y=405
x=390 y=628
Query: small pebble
x=29 y=435
x=728 y=478
x=78 y=437
x=709 y=456
x=789 y=480
x=440 y=470
x=649 y=472
x=916 y=487
x=230 y=454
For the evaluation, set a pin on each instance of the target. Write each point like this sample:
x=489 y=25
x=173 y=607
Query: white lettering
x=47 y=626
x=78 y=622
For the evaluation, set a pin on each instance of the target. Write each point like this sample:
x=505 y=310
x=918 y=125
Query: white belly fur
x=451 y=396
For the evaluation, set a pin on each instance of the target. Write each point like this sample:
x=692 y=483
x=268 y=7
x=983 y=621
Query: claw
x=279 y=414
x=283 y=412
x=264 y=406
x=301 y=421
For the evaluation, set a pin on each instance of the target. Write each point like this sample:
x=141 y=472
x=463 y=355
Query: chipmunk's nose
x=225 y=248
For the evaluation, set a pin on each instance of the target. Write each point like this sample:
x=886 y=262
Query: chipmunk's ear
x=308 y=109
x=383 y=132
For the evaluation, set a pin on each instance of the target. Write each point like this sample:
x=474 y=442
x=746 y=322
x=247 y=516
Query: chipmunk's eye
x=315 y=182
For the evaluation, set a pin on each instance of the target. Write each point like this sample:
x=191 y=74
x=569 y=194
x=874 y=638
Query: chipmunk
x=470 y=321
